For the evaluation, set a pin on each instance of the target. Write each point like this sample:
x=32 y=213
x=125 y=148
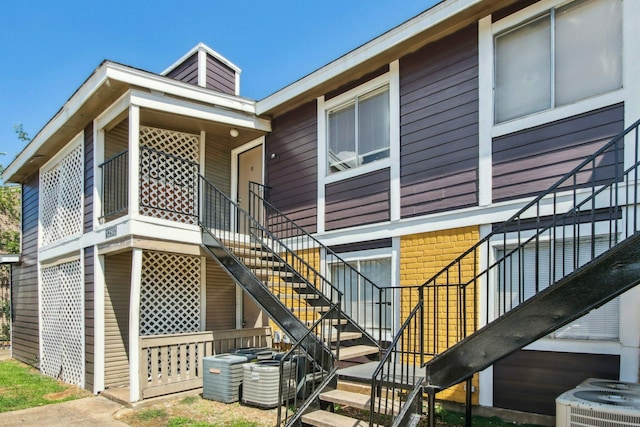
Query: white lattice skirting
x=62 y=322
x=61 y=198
x=169 y=294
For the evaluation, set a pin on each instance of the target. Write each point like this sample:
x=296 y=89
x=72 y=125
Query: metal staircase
x=585 y=228
x=278 y=264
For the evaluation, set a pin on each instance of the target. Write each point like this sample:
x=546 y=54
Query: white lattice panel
x=62 y=322
x=179 y=144
x=169 y=294
x=61 y=190
x=168 y=174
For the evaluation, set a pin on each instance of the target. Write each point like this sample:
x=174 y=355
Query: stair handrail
x=238 y=209
x=257 y=193
x=384 y=386
x=320 y=378
x=597 y=188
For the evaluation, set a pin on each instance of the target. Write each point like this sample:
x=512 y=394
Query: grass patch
x=189 y=400
x=22 y=386
x=151 y=414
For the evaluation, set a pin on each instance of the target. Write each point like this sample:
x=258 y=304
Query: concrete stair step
x=360 y=401
x=329 y=419
x=355 y=387
x=347 y=353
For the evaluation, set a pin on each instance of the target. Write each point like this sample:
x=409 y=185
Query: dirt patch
x=61 y=394
x=198 y=410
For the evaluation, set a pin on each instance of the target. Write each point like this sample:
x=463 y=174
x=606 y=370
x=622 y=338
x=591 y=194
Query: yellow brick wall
x=311 y=257
x=422 y=256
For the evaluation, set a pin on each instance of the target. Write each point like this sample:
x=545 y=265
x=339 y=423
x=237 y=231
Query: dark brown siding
x=221 y=299
x=359 y=200
x=439 y=125
x=88 y=178
x=293 y=174
x=530 y=161
x=355 y=83
x=530 y=381
x=24 y=292
x=187 y=71
x=89 y=318
x=220 y=77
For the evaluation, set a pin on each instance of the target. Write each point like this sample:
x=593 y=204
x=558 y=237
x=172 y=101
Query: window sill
x=558 y=113
x=360 y=170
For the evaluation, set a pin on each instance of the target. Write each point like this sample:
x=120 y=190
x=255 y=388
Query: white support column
x=485 y=114
x=203 y=293
x=134 y=160
x=485 y=378
x=631 y=71
x=134 y=326
x=99 y=328
x=394 y=143
x=98 y=158
x=322 y=164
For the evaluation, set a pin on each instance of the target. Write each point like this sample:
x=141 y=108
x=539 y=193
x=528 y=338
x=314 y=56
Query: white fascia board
x=195 y=110
x=201 y=47
x=422 y=22
x=169 y=86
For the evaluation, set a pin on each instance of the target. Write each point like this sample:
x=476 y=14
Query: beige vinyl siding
x=116 y=139
x=221 y=299
x=116 y=310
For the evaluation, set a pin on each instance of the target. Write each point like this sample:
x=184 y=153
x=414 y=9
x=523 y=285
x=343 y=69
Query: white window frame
x=371 y=255
x=549 y=343
x=487 y=69
x=389 y=79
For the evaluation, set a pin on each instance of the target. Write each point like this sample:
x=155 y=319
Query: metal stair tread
x=358 y=400
x=330 y=419
x=356 y=351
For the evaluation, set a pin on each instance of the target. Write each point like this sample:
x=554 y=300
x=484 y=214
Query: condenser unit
x=585 y=406
x=602 y=384
x=261 y=384
x=222 y=377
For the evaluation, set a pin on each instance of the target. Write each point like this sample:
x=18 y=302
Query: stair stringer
x=597 y=282
x=269 y=302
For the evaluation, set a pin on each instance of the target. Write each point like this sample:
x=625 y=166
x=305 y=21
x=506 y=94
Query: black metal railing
x=368 y=304
x=302 y=376
x=585 y=213
x=115 y=185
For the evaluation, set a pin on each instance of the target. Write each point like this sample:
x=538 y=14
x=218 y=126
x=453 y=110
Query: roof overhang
x=439 y=21
x=105 y=85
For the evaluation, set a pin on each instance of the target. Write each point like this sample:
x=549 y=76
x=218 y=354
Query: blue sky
x=48 y=48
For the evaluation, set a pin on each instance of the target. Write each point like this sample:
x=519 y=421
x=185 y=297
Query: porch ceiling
x=218 y=131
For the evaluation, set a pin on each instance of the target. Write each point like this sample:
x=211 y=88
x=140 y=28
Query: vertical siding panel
x=24 y=292
x=439 y=125
x=116 y=310
x=89 y=318
x=220 y=77
x=364 y=199
x=530 y=161
x=187 y=71
x=293 y=175
x=221 y=299
x=88 y=178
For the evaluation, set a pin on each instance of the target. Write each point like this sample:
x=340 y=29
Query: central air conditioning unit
x=613 y=385
x=599 y=403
